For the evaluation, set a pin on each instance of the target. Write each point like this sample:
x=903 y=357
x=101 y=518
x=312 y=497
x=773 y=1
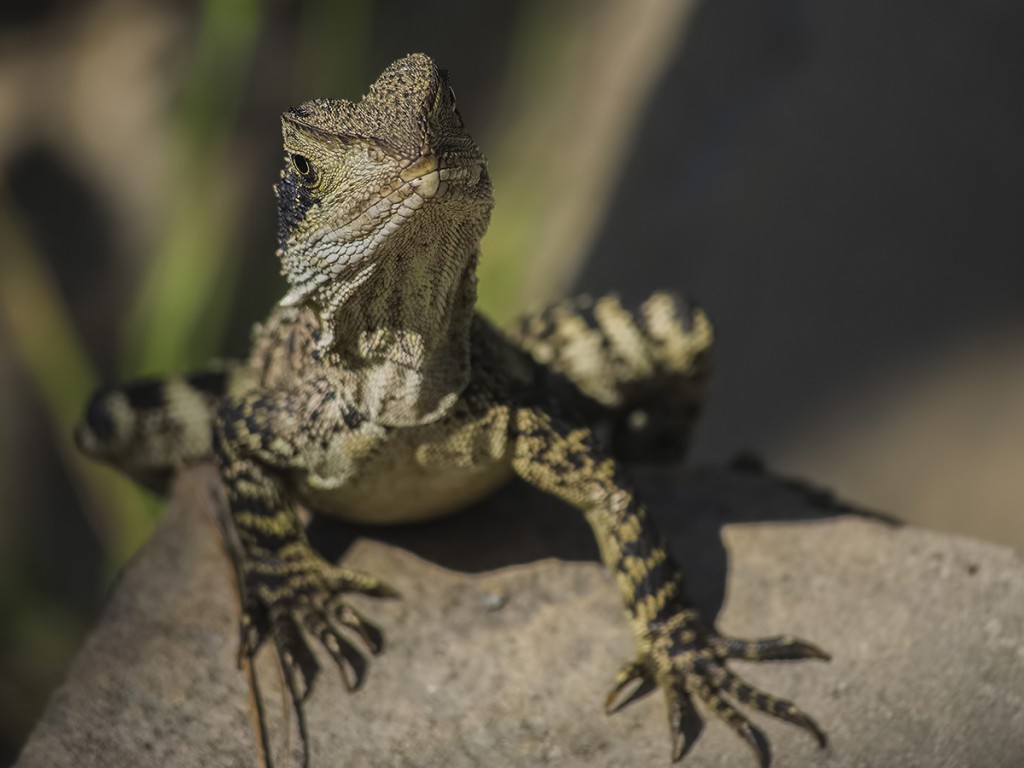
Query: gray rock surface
x=509 y=633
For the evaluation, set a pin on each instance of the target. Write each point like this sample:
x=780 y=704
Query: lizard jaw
x=344 y=252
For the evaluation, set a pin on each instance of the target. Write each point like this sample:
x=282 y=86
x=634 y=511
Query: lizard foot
x=284 y=596
x=290 y=599
x=686 y=660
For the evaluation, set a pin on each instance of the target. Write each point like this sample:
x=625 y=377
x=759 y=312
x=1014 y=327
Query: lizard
x=375 y=392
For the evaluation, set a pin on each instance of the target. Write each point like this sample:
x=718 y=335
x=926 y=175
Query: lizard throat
x=402 y=323
x=342 y=252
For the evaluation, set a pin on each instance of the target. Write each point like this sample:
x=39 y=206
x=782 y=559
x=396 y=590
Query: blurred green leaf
x=41 y=332
x=193 y=266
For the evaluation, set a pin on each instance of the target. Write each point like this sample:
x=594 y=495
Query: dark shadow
x=57 y=558
x=24 y=13
x=835 y=187
x=72 y=239
x=73 y=233
x=690 y=507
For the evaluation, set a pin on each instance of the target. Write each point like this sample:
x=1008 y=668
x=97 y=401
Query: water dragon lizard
x=375 y=392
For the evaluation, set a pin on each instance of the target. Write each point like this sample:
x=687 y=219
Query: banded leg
x=150 y=428
x=676 y=650
x=289 y=592
x=643 y=373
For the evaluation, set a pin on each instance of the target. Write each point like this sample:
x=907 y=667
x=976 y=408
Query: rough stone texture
x=509 y=634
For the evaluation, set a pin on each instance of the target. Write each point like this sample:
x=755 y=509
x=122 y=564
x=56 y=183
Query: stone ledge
x=509 y=634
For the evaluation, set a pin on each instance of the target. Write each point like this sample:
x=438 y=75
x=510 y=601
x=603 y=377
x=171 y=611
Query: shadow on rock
x=519 y=524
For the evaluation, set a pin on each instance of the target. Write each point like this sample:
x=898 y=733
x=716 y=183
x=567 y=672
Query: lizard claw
x=285 y=598
x=630 y=672
x=249 y=638
x=687 y=661
x=683 y=722
x=291 y=601
x=780 y=647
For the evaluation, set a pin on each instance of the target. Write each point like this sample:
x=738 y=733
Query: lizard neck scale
x=404 y=329
x=382 y=205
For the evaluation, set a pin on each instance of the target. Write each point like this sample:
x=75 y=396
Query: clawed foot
x=685 y=660
x=288 y=600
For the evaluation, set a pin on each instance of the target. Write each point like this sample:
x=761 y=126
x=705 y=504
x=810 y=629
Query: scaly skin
x=374 y=392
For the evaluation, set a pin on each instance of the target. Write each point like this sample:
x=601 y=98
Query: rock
x=509 y=633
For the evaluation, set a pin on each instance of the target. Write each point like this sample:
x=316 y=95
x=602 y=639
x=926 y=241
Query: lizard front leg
x=676 y=649
x=287 y=589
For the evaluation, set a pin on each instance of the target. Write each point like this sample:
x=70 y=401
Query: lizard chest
x=364 y=472
x=389 y=476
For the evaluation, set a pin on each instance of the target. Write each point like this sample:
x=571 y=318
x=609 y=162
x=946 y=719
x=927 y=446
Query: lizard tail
x=642 y=372
x=151 y=427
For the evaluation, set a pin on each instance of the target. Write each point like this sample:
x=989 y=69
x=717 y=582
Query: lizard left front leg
x=676 y=649
x=288 y=591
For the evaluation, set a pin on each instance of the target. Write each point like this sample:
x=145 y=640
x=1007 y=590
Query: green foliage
x=169 y=326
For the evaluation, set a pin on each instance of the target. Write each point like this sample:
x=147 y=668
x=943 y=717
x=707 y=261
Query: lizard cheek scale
x=374 y=392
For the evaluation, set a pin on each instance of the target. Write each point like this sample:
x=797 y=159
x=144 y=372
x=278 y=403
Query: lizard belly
x=406 y=496
x=414 y=474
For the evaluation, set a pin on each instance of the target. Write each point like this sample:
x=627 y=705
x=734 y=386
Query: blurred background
x=840 y=184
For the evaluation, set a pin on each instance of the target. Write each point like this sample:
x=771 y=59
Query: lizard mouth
x=422 y=180
x=430 y=180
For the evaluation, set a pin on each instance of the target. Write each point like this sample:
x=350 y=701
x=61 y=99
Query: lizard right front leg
x=287 y=589
x=676 y=649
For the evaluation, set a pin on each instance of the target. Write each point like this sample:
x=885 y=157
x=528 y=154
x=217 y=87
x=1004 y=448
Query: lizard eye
x=304 y=168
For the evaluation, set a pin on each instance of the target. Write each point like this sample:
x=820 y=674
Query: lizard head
x=368 y=179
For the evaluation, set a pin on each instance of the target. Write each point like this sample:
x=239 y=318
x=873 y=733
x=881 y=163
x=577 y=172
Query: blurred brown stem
x=576 y=94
